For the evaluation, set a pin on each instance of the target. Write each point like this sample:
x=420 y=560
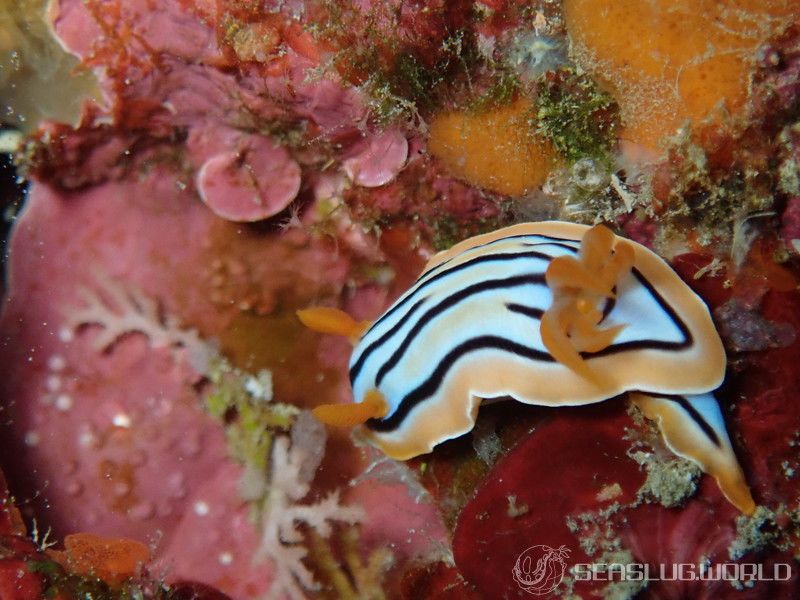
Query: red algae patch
x=527 y=498
x=494 y=149
x=669 y=62
x=586 y=506
x=17 y=581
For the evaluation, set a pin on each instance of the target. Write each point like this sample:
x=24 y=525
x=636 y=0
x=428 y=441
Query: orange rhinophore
x=332 y=321
x=374 y=406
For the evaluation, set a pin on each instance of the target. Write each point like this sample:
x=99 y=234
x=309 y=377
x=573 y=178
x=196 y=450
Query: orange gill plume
x=579 y=286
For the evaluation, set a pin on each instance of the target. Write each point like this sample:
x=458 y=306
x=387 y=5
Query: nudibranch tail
x=693 y=428
x=332 y=321
x=569 y=326
x=374 y=406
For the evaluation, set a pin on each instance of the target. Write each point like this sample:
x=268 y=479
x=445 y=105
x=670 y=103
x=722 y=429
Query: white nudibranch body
x=549 y=313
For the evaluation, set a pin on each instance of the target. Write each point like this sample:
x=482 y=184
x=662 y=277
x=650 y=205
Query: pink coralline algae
x=254 y=180
x=377 y=160
x=105 y=375
x=17 y=581
x=168 y=76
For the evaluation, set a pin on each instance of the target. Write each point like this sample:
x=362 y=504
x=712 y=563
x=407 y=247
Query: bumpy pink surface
x=116 y=442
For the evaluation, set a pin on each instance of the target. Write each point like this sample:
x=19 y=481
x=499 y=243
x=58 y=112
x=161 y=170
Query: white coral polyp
x=281 y=539
x=121 y=310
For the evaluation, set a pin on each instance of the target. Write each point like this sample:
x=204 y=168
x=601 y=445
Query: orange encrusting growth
x=569 y=325
x=494 y=149
x=668 y=61
x=111 y=559
x=374 y=406
x=332 y=321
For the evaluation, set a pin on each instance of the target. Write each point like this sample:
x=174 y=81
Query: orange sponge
x=493 y=149
x=111 y=559
x=672 y=60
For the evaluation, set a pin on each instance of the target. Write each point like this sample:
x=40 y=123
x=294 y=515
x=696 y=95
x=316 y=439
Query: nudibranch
x=548 y=313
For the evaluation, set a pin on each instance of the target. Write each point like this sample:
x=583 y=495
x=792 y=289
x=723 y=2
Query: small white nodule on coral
x=120 y=310
x=294 y=461
x=259 y=386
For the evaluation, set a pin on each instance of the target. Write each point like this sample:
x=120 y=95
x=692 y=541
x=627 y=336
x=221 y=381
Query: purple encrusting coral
x=249 y=160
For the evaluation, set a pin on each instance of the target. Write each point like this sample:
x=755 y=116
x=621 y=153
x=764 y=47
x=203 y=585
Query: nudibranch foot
x=374 y=406
x=332 y=321
x=693 y=428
